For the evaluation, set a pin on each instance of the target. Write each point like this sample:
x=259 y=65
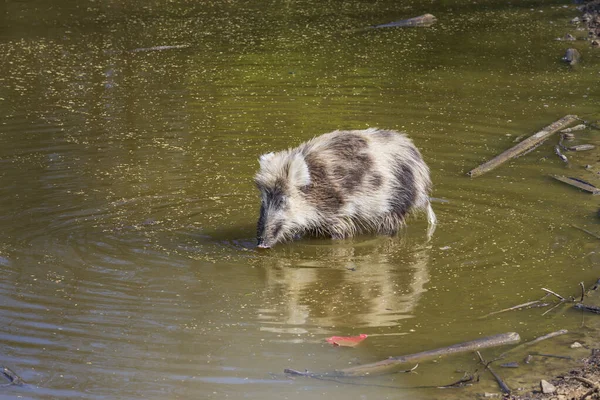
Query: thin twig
x=554 y=293
x=595 y=387
x=584 y=380
x=536 y=340
x=558 y=304
x=582 y=291
x=512 y=308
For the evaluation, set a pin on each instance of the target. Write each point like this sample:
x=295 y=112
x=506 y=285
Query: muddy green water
x=127 y=208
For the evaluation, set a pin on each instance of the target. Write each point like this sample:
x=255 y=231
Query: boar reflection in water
x=372 y=283
x=340 y=184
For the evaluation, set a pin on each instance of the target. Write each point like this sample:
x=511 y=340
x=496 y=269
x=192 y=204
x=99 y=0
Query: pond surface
x=128 y=209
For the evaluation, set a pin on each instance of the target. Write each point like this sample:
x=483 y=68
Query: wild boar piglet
x=340 y=184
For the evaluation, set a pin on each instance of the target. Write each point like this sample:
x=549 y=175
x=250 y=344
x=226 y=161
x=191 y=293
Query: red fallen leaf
x=346 y=341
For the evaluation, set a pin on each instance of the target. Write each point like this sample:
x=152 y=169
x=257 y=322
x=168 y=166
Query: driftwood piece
x=578 y=183
x=523 y=146
x=390 y=363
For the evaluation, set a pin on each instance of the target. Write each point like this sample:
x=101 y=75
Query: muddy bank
x=579 y=383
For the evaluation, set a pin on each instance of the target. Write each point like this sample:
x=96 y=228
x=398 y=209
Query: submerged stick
x=536 y=340
x=385 y=365
x=462 y=382
x=552 y=356
x=523 y=146
x=503 y=386
x=578 y=183
x=12 y=377
x=585 y=307
x=425 y=20
x=586 y=231
x=530 y=303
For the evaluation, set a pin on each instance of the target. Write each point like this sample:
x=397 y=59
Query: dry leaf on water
x=346 y=341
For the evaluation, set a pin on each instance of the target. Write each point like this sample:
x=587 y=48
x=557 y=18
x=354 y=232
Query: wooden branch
x=595 y=387
x=586 y=231
x=551 y=356
x=462 y=382
x=544 y=337
x=386 y=365
x=554 y=307
x=530 y=303
x=536 y=340
x=503 y=386
x=523 y=146
x=578 y=183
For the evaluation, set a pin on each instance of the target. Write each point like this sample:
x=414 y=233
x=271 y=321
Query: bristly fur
x=340 y=184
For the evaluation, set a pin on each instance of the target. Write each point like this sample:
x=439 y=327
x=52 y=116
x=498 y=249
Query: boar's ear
x=262 y=160
x=298 y=173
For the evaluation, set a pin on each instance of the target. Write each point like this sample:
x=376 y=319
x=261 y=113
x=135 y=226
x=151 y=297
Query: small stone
x=490 y=395
x=576 y=345
x=572 y=56
x=595 y=43
x=575 y=20
x=547 y=387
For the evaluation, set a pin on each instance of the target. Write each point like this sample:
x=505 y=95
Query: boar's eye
x=276 y=199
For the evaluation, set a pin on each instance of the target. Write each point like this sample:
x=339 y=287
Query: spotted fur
x=340 y=184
